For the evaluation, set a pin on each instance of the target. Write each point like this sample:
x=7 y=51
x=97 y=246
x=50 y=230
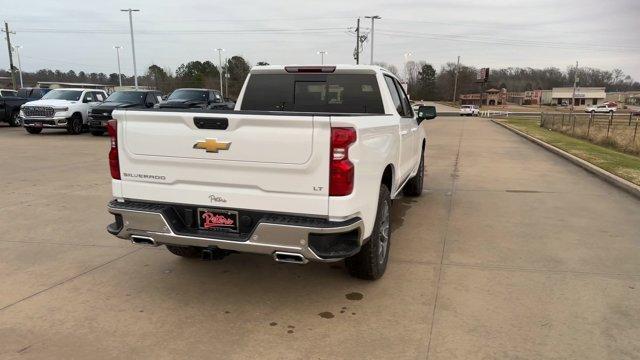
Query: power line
x=165 y=32
x=503 y=41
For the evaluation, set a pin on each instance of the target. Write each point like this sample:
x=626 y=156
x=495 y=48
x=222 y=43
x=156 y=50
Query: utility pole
x=133 y=45
x=322 y=53
x=374 y=17
x=455 y=83
x=118 y=47
x=358 y=43
x=575 y=83
x=17 y=48
x=220 y=50
x=13 y=76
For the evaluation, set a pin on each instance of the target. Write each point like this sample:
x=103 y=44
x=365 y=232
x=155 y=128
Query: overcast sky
x=80 y=35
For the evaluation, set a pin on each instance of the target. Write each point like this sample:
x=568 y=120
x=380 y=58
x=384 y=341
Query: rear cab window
x=326 y=93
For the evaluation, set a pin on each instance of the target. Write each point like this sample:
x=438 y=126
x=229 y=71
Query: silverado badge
x=212 y=145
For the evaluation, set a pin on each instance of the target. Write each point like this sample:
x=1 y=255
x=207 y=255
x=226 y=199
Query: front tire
x=33 y=130
x=371 y=262
x=74 y=125
x=413 y=187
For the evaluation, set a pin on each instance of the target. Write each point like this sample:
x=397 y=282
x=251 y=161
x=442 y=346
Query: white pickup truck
x=607 y=108
x=61 y=109
x=304 y=168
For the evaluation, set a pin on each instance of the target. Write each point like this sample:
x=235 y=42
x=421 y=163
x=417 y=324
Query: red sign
x=216 y=220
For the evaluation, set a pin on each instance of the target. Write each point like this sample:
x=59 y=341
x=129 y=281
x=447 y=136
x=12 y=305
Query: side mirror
x=426 y=113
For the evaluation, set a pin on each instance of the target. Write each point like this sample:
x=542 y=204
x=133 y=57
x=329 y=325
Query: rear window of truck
x=330 y=93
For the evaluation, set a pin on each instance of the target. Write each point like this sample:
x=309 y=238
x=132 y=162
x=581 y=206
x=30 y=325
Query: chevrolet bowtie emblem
x=212 y=145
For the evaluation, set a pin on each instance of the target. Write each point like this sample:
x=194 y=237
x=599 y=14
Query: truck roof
x=330 y=68
x=76 y=89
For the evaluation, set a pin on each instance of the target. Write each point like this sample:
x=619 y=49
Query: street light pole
x=133 y=46
x=322 y=53
x=117 y=47
x=220 y=50
x=374 y=17
x=17 y=49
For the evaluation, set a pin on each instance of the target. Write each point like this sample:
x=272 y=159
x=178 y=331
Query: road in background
x=512 y=252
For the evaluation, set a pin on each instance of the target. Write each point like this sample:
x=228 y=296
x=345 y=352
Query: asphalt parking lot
x=512 y=253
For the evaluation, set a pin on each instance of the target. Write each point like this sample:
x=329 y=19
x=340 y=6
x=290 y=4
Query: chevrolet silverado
x=303 y=169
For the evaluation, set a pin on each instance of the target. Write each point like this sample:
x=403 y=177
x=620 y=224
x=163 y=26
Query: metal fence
x=620 y=131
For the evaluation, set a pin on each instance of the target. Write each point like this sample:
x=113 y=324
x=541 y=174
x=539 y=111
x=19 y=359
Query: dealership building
x=584 y=96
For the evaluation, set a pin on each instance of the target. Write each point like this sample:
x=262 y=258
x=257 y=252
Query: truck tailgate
x=277 y=163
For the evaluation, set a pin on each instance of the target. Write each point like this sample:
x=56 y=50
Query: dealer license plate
x=218 y=219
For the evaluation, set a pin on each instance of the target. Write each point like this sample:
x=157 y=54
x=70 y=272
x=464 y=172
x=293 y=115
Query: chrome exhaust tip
x=291 y=258
x=143 y=240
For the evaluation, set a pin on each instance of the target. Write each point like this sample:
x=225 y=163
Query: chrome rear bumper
x=266 y=238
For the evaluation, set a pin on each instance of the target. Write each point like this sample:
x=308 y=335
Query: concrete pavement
x=512 y=253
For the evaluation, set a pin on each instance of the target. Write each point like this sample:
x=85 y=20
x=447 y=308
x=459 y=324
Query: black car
x=100 y=114
x=196 y=99
x=10 y=104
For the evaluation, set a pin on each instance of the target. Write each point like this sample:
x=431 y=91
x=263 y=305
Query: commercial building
x=532 y=97
x=584 y=96
x=489 y=97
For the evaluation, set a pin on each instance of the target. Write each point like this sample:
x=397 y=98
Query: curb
x=617 y=181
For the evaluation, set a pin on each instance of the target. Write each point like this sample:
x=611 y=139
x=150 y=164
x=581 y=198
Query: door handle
x=414 y=129
x=404 y=132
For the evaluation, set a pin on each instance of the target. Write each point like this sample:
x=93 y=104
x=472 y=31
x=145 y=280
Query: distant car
x=608 y=108
x=196 y=99
x=101 y=113
x=469 y=110
x=8 y=92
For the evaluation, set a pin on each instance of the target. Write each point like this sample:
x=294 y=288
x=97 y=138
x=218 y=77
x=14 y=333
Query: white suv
x=61 y=109
x=469 y=110
x=303 y=169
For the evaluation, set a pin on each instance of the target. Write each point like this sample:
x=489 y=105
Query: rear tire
x=413 y=187
x=33 y=130
x=74 y=125
x=371 y=262
x=185 y=251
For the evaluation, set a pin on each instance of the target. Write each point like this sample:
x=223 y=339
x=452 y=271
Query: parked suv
x=61 y=109
x=196 y=99
x=304 y=169
x=101 y=113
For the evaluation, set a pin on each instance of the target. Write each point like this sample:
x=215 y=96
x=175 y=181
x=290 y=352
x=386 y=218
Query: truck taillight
x=341 y=169
x=114 y=161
